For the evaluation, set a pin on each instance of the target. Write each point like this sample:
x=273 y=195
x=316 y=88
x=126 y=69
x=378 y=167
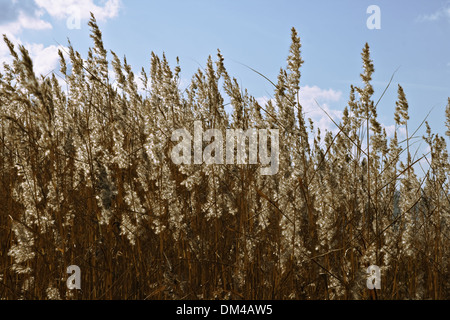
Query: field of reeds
x=86 y=179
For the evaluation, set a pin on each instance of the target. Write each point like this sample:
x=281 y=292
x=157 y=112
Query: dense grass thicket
x=86 y=179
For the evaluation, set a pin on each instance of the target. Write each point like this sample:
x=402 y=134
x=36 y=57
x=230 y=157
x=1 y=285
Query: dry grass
x=87 y=179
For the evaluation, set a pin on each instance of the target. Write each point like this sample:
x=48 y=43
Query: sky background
x=414 y=38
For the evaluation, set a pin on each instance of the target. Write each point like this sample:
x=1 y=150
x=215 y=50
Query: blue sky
x=414 y=37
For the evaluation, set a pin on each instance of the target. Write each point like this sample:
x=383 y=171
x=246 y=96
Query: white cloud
x=25 y=21
x=5 y=56
x=390 y=130
x=82 y=8
x=26 y=15
x=325 y=98
x=310 y=97
x=15 y=16
x=314 y=92
x=45 y=59
x=262 y=100
x=443 y=13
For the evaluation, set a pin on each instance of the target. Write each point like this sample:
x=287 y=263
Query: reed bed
x=86 y=178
